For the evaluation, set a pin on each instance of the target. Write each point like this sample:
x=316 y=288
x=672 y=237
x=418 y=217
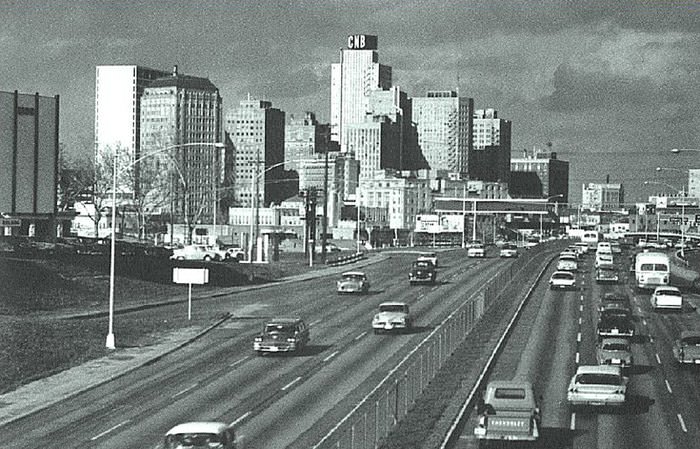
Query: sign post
x=190 y=276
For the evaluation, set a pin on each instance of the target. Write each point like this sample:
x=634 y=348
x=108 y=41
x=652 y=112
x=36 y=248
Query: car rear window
x=597 y=379
x=616 y=347
x=691 y=341
x=509 y=393
x=668 y=292
x=562 y=276
x=392 y=308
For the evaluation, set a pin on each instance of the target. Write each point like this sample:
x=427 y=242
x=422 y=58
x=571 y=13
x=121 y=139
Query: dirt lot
x=37 y=293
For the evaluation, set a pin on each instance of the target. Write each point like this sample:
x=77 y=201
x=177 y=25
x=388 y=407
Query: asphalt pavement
x=42 y=393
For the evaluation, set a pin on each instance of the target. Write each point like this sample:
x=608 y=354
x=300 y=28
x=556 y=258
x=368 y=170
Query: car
x=508 y=411
x=235 y=253
x=567 y=262
x=422 y=271
x=195 y=252
x=686 y=349
x=615 y=326
x=392 y=316
x=616 y=248
x=352 y=282
x=284 y=334
x=603 y=258
x=200 y=434
x=476 y=251
x=582 y=246
x=667 y=297
x=564 y=280
x=508 y=250
x=616 y=299
x=597 y=385
x=430 y=257
x=614 y=351
x=606 y=274
x=473 y=243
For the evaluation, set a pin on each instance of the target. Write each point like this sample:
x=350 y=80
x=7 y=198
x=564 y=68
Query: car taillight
x=482 y=420
x=258 y=339
x=291 y=340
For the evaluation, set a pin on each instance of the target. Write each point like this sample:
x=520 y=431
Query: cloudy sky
x=613 y=85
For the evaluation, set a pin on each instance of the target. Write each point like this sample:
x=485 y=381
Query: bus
x=652 y=269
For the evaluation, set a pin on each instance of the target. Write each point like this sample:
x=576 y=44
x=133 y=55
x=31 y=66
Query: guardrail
x=343 y=260
x=381 y=409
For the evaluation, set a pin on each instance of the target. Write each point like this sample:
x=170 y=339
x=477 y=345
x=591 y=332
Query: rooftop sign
x=362 y=42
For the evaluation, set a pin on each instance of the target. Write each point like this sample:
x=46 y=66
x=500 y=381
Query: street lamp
x=110 y=343
x=542 y=214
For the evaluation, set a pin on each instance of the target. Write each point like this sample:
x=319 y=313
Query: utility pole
x=325 y=206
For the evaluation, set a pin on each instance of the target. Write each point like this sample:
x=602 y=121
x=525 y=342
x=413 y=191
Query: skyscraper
x=257 y=132
x=489 y=159
x=444 y=123
x=357 y=74
x=183 y=112
x=118 y=91
x=694 y=182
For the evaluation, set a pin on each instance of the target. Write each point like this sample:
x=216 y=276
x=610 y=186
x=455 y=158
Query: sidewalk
x=35 y=396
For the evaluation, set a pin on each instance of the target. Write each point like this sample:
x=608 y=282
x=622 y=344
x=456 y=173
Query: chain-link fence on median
x=379 y=411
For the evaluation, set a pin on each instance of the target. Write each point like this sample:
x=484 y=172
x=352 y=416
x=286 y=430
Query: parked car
x=235 y=253
x=392 y=316
x=607 y=274
x=195 y=252
x=599 y=385
x=563 y=280
x=508 y=250
x=352 y=282
x=614 y=351
x=667 y=297
x=686 y=349
x=200 y=434
x=476 y=251
x=422 y=271
x=508 y=411
x=282 y=335
x=430 y=257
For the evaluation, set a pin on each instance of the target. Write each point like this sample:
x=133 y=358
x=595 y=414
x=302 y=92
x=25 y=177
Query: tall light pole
x=542 y=214
x=110 y=341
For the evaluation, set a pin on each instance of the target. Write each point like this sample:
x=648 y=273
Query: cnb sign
x=362 y=42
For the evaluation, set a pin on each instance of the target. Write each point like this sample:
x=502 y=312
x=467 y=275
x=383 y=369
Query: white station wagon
x=598 y=385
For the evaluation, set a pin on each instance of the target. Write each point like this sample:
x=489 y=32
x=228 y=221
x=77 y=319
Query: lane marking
x=313 y=323
x=680 y=419
x=580 y=308
x=573 y=421
x=651 y=339
x=244 y=416
x=238 y=362
x=658 y=359
x=289 y=385
x=577 y=357
x=111 y=429
x=331 y=356
x=361 y=335
x=180 y=393
x=578 y=337
x=581 y=297
x=644 y=321
x=668 y=386
x=580 y=320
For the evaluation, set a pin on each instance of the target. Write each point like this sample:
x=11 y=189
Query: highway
x=556 y=333
x=272 y=401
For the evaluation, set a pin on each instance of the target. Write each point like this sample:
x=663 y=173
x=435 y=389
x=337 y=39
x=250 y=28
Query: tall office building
x=694 y=183
x=183 y=112
x=118 y=92
x=600 y=197
x=352 y=79
x=257 y=132
x=305 y=139
x=489 y=159
x=539 y=175
x=444 y=125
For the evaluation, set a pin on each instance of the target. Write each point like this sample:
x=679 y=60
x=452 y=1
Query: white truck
x=508 y=412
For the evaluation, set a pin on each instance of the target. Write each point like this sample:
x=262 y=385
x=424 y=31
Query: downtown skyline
x=602 y=81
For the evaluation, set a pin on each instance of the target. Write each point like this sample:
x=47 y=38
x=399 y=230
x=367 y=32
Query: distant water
x=631 y=170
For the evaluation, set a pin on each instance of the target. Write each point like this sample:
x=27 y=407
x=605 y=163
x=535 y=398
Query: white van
x=652 y=269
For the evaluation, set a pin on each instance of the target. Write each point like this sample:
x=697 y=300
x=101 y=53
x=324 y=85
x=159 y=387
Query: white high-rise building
x=352 y=79
x=118 y=91
x=694 y=183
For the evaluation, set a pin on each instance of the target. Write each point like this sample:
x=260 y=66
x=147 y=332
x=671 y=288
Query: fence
x=380 y=410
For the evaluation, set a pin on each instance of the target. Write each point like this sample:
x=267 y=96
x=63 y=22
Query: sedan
x=599 y=385
x=563 y=280
x=352 y=282
x=392 y=316
x=686 y=349
x=476 y=251
x=666 y=297
x=614 y=351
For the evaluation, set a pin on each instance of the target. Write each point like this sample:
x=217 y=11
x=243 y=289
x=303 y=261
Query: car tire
x=179 y=258
x=207 y=258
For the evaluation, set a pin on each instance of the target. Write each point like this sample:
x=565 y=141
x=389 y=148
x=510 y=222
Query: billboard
x=436 y=224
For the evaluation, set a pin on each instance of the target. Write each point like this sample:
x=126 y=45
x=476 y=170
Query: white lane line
x=680 y=419
x=668 y=386
x=639 y=309
x=577 y=357
x=244 y=416
x=658 y=359
x=644 y=321
x=238 y=362
x=578 y=337
x=331 y=356
x=313 y=323
x=361 y=335
x=289 y=385
x=651 y=339
x=581 y=297
x=573 y=421
x=111 y=429
x=180 y=393
x=580 y=321
x=580 y=308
